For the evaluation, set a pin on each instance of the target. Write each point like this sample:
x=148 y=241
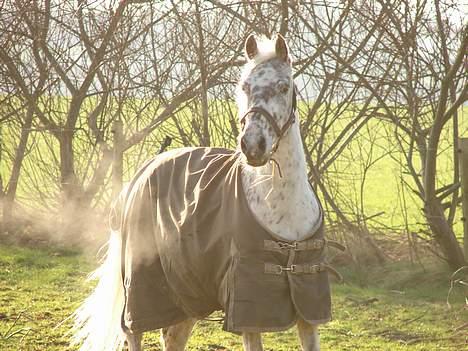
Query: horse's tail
x=98 y=320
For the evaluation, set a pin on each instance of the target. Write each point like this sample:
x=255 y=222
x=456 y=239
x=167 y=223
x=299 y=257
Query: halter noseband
x=279 y=131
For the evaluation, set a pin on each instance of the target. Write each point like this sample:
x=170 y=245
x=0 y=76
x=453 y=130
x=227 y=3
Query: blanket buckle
x=291 y=246
x=280 y=269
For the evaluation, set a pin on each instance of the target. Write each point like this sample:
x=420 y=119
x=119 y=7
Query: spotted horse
x=199 y=230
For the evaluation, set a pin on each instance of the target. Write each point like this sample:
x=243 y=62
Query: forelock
x=266 y=50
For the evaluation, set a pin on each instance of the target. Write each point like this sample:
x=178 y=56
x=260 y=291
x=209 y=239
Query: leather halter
x=279 y=131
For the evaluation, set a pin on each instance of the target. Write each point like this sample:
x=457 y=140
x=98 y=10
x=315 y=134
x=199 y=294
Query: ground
x=397 y=307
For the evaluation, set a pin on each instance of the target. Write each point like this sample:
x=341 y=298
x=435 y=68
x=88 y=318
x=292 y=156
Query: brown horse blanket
x=192 y=246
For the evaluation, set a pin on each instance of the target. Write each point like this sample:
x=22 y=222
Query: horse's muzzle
x=254 y=151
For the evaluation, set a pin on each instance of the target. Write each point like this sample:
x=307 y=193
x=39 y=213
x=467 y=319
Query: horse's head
x=266 y=98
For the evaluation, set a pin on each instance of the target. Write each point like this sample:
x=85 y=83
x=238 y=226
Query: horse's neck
x=284 y=205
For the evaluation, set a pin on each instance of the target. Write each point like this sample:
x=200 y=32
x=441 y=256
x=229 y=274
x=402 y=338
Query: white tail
x=97 y=321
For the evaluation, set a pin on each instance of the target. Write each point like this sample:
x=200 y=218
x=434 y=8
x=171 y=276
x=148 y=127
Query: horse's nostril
x=262 y=145
x=243 y=145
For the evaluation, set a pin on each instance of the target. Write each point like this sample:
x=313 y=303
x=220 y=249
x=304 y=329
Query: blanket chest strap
x=306 y=268
x=311 y=244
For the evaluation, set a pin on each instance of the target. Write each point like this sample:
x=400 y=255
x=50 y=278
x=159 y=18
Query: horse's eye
x=246 y=88
x=283 y=88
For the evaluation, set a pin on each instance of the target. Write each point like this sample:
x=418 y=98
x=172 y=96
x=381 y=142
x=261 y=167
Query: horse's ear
x=251 y=49
x=281 y=47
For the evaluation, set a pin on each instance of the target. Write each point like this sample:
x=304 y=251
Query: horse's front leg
x=133 y=341
x=252 y=341
x=308 y=335
x=174 y=338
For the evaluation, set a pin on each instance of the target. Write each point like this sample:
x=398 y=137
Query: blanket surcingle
x=192 y=246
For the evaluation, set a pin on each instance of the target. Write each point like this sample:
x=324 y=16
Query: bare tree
x=70 y=70
x=25 y=72
x=428 y=87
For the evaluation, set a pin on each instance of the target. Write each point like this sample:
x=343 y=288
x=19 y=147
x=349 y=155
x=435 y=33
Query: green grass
x=398 y=307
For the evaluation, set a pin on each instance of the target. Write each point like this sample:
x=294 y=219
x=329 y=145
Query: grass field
x=399 y=307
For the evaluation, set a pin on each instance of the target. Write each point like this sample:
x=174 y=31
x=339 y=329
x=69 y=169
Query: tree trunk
x=203 y=76
x=71 y=212
x=10 y=193
x=117 y=162
x=68 y=180
x=463 y=161
x=444 y=235
x=2 y=193
x=434 y=212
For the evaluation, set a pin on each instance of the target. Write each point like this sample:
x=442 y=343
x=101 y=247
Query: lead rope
x=276 y=163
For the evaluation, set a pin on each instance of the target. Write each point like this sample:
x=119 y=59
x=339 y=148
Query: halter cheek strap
x=279 y=131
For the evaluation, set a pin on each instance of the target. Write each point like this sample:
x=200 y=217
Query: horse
x=205 y=229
